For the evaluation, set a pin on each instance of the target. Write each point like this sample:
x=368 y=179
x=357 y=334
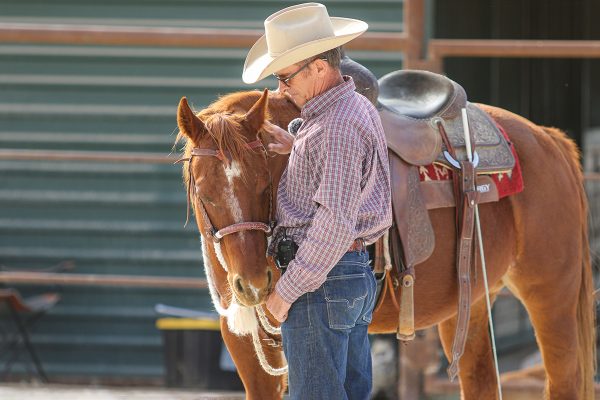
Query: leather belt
x=357 y=245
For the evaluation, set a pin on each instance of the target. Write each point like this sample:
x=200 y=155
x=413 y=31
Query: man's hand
x=282 y=140
x=278 y=306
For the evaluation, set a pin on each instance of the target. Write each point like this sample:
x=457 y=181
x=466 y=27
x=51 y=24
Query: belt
x=357 y=245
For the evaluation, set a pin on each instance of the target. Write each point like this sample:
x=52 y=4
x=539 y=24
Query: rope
x=386 y=251
x=487 y=301
x=465 y=121
x=387 y=285
x=265 y=323
x=263 y=360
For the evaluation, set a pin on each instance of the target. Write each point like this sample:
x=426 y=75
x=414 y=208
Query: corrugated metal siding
x=117 y=218
x=382 y=15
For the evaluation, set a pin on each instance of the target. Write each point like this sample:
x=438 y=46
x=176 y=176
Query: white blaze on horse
x=535 y=244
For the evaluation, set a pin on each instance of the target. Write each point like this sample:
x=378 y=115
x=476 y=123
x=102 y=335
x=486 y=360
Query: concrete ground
x=29 y=391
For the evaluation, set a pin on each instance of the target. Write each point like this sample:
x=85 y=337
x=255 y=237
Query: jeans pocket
x=345 y=296
x=368 y=311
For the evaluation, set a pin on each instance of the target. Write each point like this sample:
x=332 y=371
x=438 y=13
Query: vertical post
x=416 y=360
x=410 y=380
x=414 y=28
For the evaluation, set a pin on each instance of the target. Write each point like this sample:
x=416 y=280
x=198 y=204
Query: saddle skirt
x=413 y=103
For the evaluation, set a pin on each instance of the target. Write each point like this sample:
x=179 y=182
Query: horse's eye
x=206 y=200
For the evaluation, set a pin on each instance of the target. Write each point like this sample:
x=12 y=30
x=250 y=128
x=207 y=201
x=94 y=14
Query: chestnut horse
x=535 y=243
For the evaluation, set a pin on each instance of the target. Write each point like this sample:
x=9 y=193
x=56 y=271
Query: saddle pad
x=508 y=183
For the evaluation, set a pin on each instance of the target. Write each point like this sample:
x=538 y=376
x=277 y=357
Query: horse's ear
x=189 y=124
x=256 y=116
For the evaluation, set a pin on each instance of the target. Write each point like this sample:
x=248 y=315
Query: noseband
x=209 y=229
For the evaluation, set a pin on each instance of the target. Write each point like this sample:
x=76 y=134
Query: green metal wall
x=117 y=218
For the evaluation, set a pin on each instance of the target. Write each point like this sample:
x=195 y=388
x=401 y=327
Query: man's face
x=297 y=82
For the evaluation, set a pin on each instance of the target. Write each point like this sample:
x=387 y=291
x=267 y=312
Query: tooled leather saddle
x=421 y=117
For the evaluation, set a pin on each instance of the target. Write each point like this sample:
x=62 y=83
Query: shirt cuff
x=286 y=288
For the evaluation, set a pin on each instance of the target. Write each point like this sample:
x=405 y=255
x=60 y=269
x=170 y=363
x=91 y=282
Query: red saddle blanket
x=507 y=183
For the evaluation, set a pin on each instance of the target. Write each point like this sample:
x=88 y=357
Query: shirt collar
x=320 y=103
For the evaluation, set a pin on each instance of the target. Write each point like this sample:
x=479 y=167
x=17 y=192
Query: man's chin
x=293 y=99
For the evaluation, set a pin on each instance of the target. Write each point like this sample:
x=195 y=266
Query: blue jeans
x=325 y=335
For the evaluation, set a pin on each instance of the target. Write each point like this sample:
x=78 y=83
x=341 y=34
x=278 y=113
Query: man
x=333 y=198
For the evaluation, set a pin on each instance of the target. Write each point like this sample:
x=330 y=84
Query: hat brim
x=259 y=64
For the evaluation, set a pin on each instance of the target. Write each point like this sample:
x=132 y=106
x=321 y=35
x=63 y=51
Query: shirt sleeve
x=333 y=227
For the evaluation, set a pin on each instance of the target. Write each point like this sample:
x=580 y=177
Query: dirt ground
x=64 y=392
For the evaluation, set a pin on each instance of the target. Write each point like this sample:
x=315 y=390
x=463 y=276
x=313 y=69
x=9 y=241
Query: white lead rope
x=262 y=359
x=264 y=321
x=234 y=308
x=465 y=121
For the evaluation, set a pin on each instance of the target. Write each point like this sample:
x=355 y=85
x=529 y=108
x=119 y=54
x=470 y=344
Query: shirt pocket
x=345 y=296
x=299 y=170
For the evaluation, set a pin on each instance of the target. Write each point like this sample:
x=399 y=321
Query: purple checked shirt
x=336 y=187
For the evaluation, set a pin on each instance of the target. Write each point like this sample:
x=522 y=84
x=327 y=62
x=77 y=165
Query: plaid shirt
x=335 y=189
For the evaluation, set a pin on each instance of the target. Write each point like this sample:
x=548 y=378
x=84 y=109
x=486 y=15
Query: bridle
x=217 y=235
x=209 y=229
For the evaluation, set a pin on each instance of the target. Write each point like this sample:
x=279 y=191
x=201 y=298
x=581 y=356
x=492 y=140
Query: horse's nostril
x=238 y=285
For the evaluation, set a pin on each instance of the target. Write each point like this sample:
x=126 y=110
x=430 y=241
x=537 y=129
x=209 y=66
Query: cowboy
x=333 y=200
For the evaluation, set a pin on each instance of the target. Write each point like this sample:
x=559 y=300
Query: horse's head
x=230 y=186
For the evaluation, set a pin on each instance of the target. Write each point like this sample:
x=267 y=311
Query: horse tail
x=586 y=315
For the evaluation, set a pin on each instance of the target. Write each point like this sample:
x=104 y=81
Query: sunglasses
x=286 y=79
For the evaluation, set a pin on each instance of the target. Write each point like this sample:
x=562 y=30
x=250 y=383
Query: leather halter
x=209 y=229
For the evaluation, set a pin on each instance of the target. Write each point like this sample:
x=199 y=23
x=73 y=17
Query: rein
x=209 y=229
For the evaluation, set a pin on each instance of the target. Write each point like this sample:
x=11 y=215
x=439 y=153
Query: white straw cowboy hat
x=295 y=34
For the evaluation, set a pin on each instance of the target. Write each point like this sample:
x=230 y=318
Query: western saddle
x=421 y=116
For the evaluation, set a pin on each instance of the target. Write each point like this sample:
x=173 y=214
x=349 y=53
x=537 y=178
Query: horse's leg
x=552 y=273
x=554 y=319
x=553 y=280
x=258 y=384
x=476 y=367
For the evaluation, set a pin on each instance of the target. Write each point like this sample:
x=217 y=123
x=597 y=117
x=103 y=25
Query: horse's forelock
x=223 y=121
x=227 y=133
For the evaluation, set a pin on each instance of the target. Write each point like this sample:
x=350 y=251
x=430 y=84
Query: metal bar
x=28 y=345
x=49 y=278
x=102 y=156
x=106 y=156
x=440 y=48
x=162 y=36
x=112 y=156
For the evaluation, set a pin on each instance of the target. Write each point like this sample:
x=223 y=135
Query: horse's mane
x=223 y=121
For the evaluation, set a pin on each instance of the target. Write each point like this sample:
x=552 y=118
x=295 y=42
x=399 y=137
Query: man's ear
x=255 y=118
x=189 y=124
x=320 y=66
